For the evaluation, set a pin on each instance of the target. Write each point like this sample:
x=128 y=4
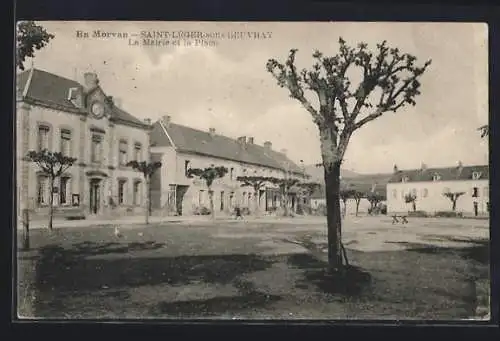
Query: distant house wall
x=430 y=196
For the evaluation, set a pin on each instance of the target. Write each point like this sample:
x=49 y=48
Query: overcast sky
x=227 y=87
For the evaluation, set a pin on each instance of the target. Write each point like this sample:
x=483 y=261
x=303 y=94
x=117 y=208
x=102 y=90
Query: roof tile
x=445 y=173
x=192 y=140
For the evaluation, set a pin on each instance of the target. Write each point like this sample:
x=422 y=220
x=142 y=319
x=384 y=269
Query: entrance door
x=95 y=186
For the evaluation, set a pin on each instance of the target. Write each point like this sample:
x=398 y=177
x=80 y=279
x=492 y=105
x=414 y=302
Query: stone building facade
x=180 y=148
x=81 y=121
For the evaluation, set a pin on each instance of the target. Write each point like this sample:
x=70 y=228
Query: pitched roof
x=190 y=140
x=52 y=90
x=445 y=173
x=363 y=186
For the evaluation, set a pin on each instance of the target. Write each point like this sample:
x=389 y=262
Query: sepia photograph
x=252 y=171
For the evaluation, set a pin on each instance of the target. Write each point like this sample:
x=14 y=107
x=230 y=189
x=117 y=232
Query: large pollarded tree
x=389 y=80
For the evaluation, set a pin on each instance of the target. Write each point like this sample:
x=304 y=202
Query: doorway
x=95 y=191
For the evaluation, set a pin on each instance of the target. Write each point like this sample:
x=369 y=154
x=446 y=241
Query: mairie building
x=181 y=148
x=81 y=121
x=428 y=185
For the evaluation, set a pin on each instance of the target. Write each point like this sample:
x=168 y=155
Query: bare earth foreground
x=428 y=269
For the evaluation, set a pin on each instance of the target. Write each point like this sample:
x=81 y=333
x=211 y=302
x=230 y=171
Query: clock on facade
x=97 y=109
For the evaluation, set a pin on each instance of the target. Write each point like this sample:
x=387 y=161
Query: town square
x=260 y=176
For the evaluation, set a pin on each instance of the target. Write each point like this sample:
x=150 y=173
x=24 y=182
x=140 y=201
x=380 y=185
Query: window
x=475 y=192
x=96 y=149
x=394 y=193
x=231 y=173
x=436 y=177
x=200 y=197
x=137 y=193
x=123 y=153
x=121 y=191
x=43 y=190
x=138 y=152
x=43 y=137
x=222 y=200
x=63 y=190
x=66 y=142
x=186 y=167
x=425 y=193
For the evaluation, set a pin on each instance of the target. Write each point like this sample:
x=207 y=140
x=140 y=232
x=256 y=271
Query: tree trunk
x=211 y=198
x=414 y=206
x=453 y=205
x=334 y=222
x=357 y=207
x=256 y=203
x=148 y=201
x=51 y=203
x=284 y=203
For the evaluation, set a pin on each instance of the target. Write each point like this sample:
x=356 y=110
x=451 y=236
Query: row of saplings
x=411 y=198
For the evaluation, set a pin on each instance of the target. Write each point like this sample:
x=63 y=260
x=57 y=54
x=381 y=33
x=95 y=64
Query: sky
x=226 y=85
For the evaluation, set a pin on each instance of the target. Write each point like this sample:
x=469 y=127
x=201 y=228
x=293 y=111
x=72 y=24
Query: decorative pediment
x=98 y=104
x=96 y=173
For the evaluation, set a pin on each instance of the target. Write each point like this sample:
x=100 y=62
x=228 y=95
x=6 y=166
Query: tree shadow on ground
x=60 y=269
x=479 y=250
x=353 y=281
x=216 y=306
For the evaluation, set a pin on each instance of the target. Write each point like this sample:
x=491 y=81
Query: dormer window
x=405 y=179
x=436 y=177
x=476 y=175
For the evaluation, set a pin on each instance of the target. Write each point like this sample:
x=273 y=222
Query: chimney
x=423 y=167
x=283 y=151
x=242 y=140
x=250 y=140
x=395 y=169
x=165 y=120
x=268 y=145
x=90 y=80
x=211 y=131
x=117 y=102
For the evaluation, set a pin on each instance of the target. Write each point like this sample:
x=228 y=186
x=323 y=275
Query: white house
x=429 y=184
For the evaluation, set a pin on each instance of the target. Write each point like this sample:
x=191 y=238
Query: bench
x=402 y=217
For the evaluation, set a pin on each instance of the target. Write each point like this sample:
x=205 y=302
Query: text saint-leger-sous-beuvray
x=204 y=35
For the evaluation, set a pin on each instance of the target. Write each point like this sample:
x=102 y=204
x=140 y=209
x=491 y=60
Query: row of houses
x=82 y=121
x=432 y=188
